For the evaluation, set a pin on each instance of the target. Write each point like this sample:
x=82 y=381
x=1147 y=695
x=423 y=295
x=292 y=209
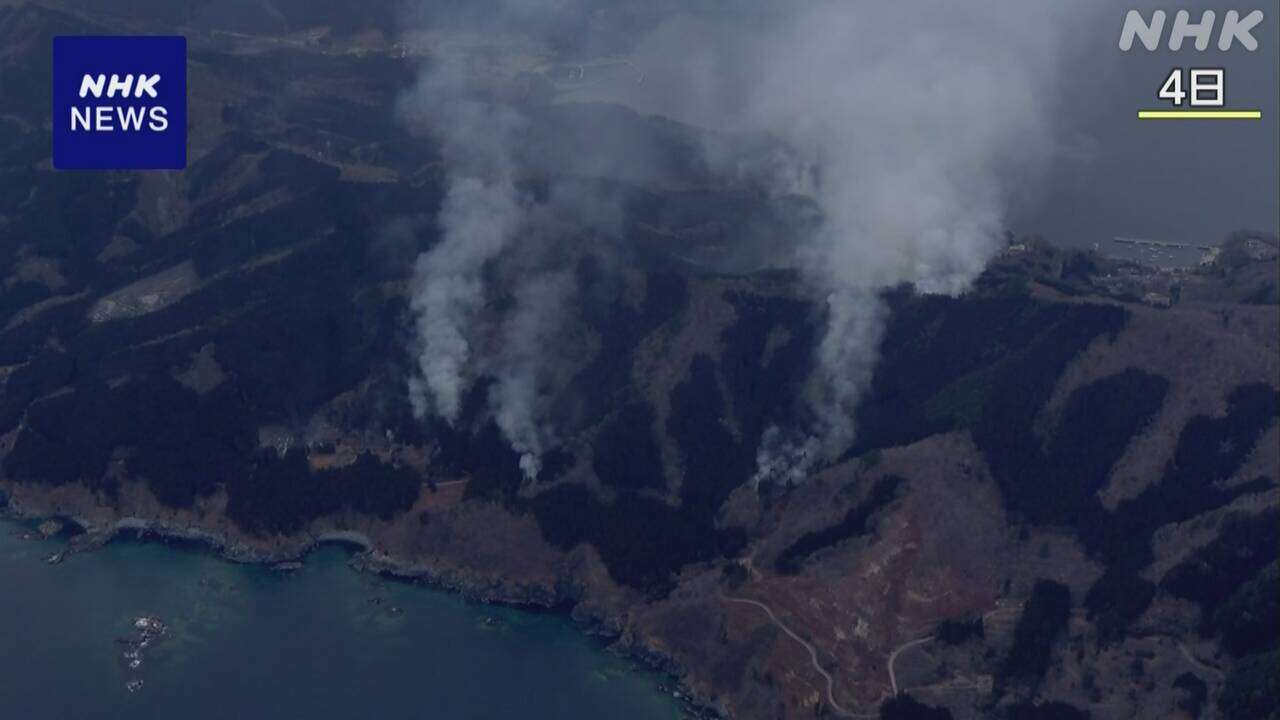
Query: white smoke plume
x=922 y=138
x=915 y=126
x=520 y=399
x=477 y=220
x=482 y=215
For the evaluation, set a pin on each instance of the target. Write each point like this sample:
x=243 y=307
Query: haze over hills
x=551 y=350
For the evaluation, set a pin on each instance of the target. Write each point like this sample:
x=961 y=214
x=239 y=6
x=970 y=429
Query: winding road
x=813 y=656
x=893 y=679
x=813 y=653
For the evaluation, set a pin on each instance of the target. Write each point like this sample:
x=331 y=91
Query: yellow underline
x=1199 y=114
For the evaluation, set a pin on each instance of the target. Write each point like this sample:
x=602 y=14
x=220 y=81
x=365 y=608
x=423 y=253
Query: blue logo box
x=119 y=103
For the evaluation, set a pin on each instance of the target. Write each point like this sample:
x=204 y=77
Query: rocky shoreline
x=367 y=559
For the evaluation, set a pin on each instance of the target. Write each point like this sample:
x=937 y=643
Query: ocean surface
x=246 y=641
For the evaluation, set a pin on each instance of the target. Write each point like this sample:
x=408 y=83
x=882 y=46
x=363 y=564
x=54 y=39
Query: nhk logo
x=101 y=117
x=119 y=102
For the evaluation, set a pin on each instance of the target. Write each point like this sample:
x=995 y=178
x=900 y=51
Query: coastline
x=367 y=559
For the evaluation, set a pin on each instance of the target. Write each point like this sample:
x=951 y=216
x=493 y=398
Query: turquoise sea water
x=246 y=641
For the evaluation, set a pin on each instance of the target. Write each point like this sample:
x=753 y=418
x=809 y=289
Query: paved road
x=813 y=655
x=893 y=679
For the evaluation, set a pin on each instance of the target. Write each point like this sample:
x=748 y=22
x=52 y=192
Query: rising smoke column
x=913 y=126
x=922 y=137
x=477 y=220
x=481 y=218
x=520 y=399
